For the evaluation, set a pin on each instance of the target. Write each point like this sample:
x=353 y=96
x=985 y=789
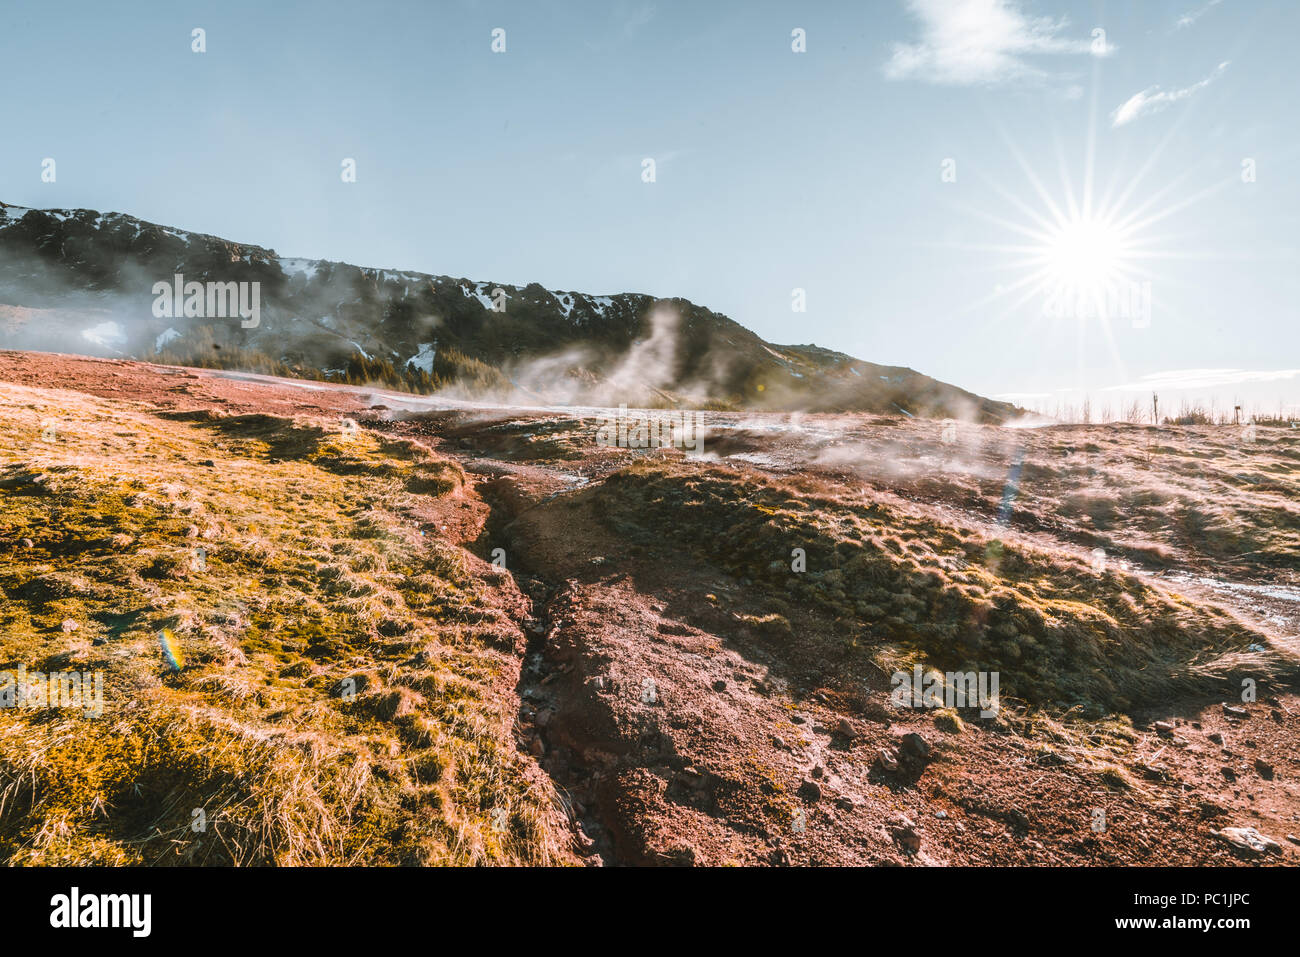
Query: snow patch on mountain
x=423 y=360
x=476 y=292
x=305 y=267
x=565 y=301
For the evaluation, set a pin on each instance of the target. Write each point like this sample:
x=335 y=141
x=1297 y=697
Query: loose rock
x=1249 y=839
x=915 y=746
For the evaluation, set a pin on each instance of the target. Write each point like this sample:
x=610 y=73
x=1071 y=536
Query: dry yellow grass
x=341 y=695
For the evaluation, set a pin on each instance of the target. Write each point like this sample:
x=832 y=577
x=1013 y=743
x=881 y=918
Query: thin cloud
x=969 y=42
x=1153 y=99
x=634 y=17
x=1204 y=379
x=1191 y=16
x=1021 y=397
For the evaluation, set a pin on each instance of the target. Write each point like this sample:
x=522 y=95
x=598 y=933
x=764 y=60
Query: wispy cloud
x=1203 y=379
x=1191 y=16
x=967 y=42
x=1153 y=99
x=1021 y=397
x=634 y=16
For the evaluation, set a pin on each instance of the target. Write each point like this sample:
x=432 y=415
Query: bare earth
x=683 y=712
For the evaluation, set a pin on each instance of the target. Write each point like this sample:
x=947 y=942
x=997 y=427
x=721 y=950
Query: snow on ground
x=423 y=360
x=306 y=267
x=11 y=214
x=476 y=292
x=566 y=301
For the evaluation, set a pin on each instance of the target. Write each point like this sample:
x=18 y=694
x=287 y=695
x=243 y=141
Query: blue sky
x=825 y=170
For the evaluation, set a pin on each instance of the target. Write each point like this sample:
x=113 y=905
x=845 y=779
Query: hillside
x=81 y=281
x=353 y=633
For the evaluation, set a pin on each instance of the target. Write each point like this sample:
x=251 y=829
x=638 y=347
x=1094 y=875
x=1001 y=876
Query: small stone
x=818 y=771
x=810 y=791
x=1228 y=773
x=779 y=742
x=1233 y=711
x=915 y=746
x=941 y=815
x=1249 y=839
x=1216 y=737
x=846 y=729
x=907 y=837
x=1164 y=729
x=69 y=625
x=27 y=543
x=888 y=759
x=1264 y=768
x=845 y=803
x=1293 y=839
x=719 y=685
x=798 y=719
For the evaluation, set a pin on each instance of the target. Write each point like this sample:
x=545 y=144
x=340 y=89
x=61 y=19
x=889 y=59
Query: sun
x=1084 y=254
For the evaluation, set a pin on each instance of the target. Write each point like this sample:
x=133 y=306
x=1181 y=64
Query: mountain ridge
x=90 y=278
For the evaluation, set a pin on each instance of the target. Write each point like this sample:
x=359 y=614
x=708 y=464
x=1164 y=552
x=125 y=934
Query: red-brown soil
x=681 y=726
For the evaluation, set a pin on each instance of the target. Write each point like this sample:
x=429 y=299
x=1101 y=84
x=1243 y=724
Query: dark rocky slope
x=83 y=281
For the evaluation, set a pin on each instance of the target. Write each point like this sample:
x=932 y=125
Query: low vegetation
x=908 y=589
x=340 y=693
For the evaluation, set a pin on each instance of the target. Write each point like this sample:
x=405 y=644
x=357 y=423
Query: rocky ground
x=689 y=696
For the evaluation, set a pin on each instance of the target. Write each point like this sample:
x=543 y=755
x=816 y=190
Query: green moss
x=285 y=602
